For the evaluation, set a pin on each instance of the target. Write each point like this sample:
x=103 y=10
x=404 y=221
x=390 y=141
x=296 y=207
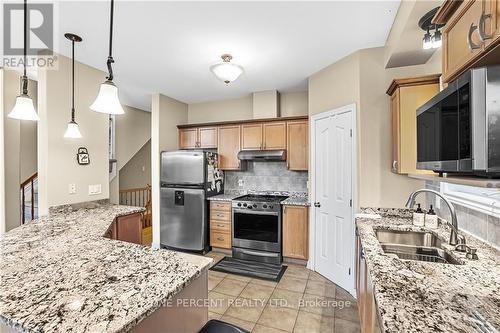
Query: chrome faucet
x=455 y=238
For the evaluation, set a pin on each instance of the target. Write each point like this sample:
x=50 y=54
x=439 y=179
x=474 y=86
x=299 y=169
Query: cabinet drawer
x=224 y=226
x=220 y=239
x=221 y=206
x=220 y=215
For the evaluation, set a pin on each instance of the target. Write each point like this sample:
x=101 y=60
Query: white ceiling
x=167 y=47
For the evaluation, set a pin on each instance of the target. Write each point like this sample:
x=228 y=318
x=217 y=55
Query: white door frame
x=354 y=190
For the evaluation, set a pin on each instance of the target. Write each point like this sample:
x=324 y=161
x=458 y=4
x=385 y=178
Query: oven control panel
x=257 y=206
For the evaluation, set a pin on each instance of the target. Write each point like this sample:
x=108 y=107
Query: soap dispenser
x=419 y=217
x=431 y=219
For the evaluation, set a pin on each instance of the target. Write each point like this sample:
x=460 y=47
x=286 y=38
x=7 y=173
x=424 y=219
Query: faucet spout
x=454 y=237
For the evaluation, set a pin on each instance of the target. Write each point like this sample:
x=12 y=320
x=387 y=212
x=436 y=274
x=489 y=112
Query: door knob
x=317 y=204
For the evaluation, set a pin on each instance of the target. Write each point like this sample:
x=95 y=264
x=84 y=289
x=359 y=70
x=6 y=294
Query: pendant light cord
x=110 y=56
x=73 y=81
x=24 y=79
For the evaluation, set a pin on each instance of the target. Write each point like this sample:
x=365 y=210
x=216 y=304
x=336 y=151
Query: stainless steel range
x=257 y=228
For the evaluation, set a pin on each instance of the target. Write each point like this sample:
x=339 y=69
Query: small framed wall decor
x=83 y=156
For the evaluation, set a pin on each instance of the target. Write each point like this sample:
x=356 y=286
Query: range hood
x=262 y=155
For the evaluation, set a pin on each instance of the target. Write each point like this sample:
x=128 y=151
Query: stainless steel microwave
x=458 y=130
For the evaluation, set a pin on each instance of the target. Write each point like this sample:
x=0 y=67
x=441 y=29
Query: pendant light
x=227 y=71
x=24 y=109
x=107 y=100
x=72 y=131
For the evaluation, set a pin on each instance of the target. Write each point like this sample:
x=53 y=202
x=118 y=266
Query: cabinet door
x=490 y=26
x=395 y=167
x=188 y=138
x=461 y=32
x=228 y=147
x=251 y=136
x=297 y=145
x=207 y=137
x=129 y=228
x=274 y=135
x=295 y=232
x=410 y=99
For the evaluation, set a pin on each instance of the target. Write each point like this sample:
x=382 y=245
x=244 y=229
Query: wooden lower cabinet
x=295 y=232
x=368 y=313
x=220 y=224
x=127 y=228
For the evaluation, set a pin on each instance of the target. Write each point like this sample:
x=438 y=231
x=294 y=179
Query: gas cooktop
x=261 y=198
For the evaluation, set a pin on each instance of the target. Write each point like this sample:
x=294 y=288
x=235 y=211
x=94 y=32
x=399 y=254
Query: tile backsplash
x=266 y=176
x=479 y=224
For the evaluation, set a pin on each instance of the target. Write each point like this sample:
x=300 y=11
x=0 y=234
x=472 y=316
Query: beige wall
x=293 y=104
x=334 y=86
x=362 y=79
x=57 y=165
x=230 y=109
x=166 y=114
x=20 y=147
x=137 y=172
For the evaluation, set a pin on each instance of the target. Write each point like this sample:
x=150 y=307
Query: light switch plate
x=95 y=189
x=72 y=188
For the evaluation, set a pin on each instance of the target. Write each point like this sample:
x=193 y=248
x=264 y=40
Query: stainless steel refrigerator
x=187 y=179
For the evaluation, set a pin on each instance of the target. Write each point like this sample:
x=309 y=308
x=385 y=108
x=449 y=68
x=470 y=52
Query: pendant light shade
x=107 y=100
x=24 y=108
x=227 y=71
x=72 y=131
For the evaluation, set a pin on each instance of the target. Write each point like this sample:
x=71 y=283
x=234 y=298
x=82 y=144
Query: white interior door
x=333 y=193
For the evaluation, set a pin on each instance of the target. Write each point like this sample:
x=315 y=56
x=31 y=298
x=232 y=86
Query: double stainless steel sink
x=414 y=245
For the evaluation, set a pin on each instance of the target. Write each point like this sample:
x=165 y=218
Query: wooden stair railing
x=29 y=185
x=135 y=196
x=140 y=197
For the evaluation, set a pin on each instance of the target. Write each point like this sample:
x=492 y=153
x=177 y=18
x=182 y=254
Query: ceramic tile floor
x=303 y=301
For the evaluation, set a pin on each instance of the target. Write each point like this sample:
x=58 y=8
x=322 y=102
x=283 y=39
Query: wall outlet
x=72 y=188
x=95 y=189
x=240 y=182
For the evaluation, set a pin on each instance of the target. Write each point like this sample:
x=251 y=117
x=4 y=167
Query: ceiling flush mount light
x=72 y=131
x=107 y=100
x=425 y=23
x=227 y=71
x=24 y=109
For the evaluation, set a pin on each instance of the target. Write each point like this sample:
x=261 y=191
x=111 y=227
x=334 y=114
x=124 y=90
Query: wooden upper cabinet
x=188 y=138
x=295 y=232
x=251 y=136
x=297 y=145
x=274 y=135
x=472 y=31
x=207 y=137
x=406 y=96
x=229 y=146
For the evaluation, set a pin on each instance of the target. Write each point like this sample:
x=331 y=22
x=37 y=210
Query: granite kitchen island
x=59 y=274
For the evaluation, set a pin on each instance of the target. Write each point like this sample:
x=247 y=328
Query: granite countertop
x=59 y=274
x=297 y=199
x=415 y=296
x=226 y=196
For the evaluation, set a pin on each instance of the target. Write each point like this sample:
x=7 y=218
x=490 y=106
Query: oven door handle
x=260 y=254
x=254 y=212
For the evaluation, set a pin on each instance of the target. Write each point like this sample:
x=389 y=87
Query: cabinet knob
x=483 y=36
x=472 y=46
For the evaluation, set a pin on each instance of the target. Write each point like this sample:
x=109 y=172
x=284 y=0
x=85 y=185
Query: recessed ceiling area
x=168 y=47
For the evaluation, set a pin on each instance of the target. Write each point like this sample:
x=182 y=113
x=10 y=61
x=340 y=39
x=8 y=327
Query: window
x=485 y=200
x=112 y=147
